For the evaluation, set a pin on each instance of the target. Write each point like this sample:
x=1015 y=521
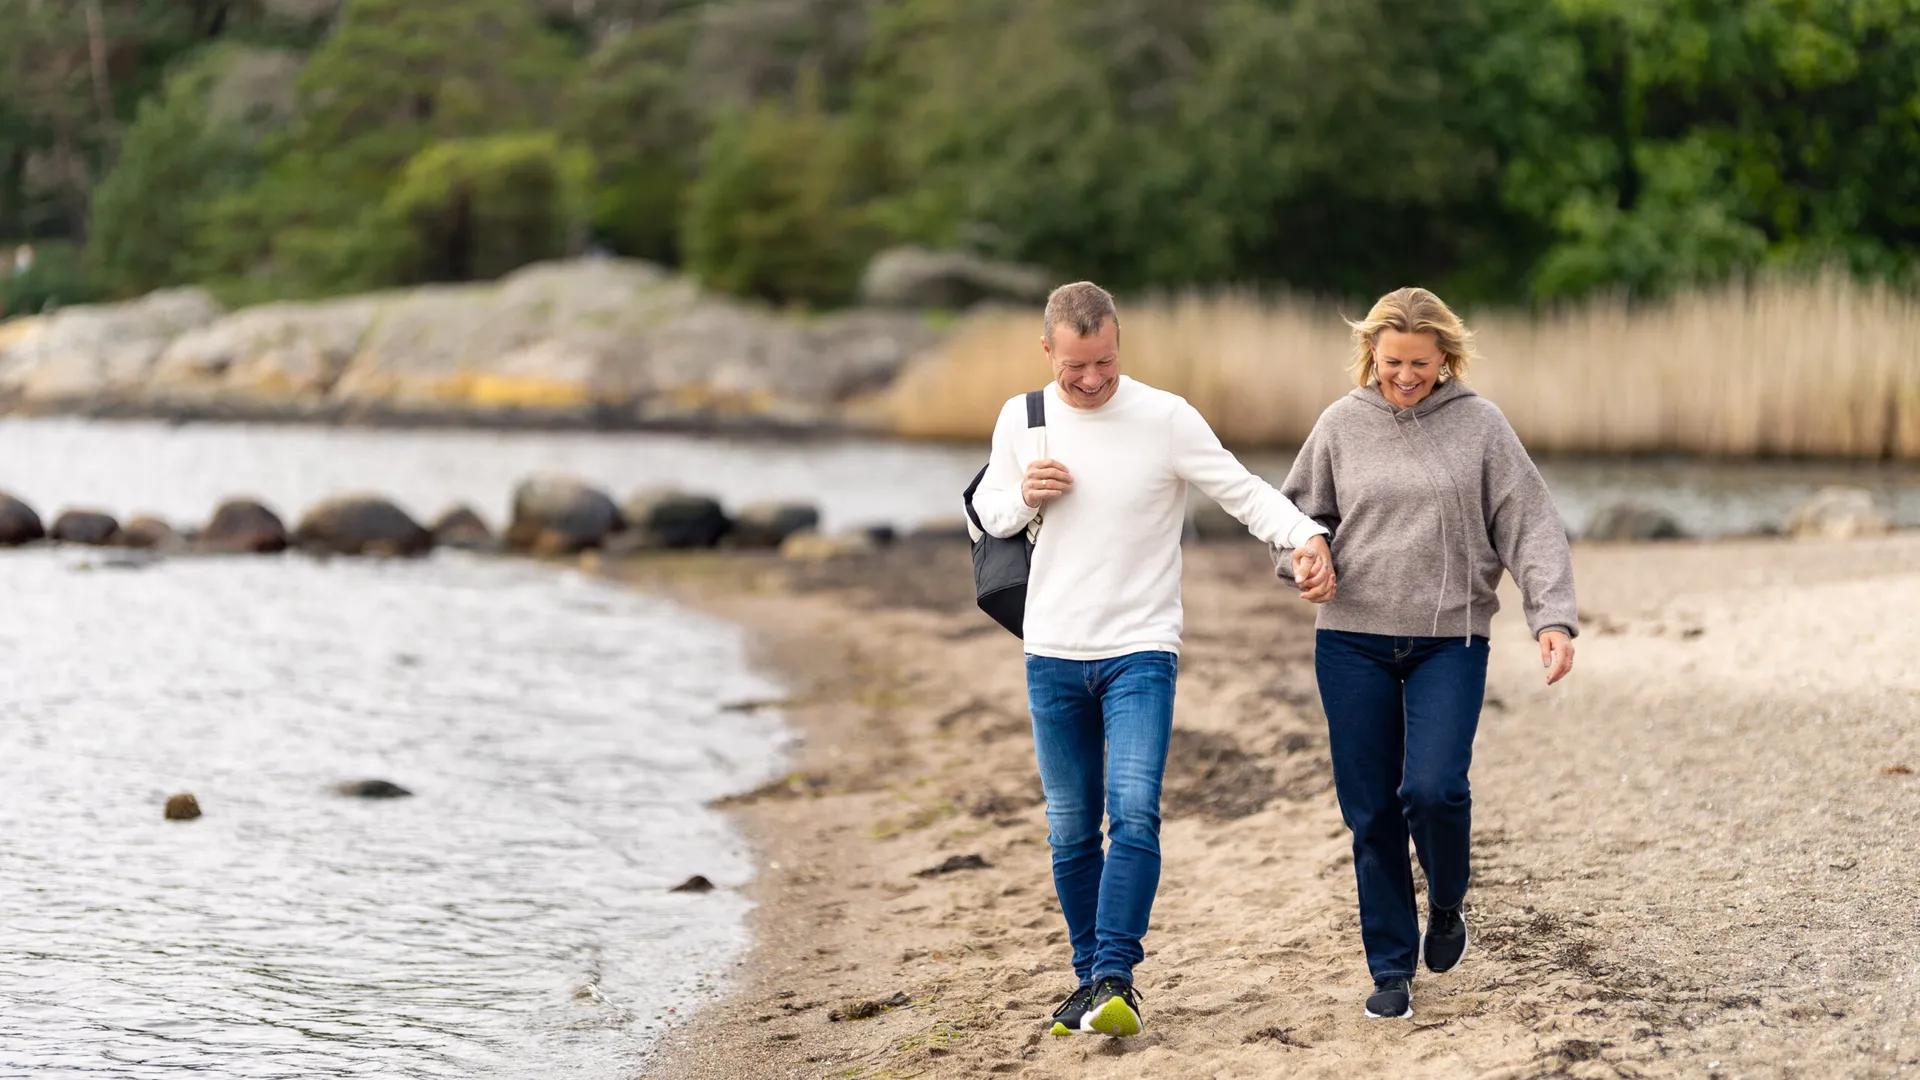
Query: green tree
x=633 y=105
x=191 y=144
x=467 y=209
x=775 y=212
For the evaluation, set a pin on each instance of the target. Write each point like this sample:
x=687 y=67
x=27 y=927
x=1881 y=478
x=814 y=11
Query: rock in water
x=362 y=525
x=460 y=527
x=1629 y=521
x=86 y=527
x=696 y=883
x=18 y=523
x=675 y=519
x=1838 y=513
x=149 y=532
x=558 y=515
x=243 y=526
x=767 y=525
x=371 y=789
x=182 y=807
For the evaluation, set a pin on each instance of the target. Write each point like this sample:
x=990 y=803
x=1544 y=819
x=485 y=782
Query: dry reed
x=1818 y=367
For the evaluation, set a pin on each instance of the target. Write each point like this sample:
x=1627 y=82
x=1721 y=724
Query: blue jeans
x=1401 y=714
x=1115 y=716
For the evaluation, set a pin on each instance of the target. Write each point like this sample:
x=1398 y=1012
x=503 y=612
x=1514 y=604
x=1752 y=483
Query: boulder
x=1630 y=521
x=86 y=527
x=18 y=523
x=149 y=532
x=243 y=526
x=768 y=524
x=558 y=515
x=182 y=807
x=1838 y=513
x=921 y=278
x=362 y=525
x=811 y=546
x=460 y=527
x=371 y=789
x=674 y=519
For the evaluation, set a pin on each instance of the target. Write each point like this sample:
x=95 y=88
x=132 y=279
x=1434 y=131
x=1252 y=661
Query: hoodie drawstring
x=1446 y=562
x=1466 y=553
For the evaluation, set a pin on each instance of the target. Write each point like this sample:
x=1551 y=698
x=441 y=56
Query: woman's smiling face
x=1407 y=366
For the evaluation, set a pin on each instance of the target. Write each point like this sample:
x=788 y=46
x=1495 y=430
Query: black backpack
x=1000 y=566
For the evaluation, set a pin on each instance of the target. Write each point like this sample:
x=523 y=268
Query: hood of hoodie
x=1443 y=395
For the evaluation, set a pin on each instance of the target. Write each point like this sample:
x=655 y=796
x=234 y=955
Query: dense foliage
x=1512 y=150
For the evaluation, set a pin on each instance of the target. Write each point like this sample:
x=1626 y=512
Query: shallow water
x=512 y=918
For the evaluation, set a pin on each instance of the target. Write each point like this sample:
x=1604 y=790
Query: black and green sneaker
x=1066 y=1018
x=1115 y=1009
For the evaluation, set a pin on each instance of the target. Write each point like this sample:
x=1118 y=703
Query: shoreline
x=1629 y=918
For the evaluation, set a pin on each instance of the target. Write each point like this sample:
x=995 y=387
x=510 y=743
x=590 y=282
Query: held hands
x=1313 y=571
x=1556 y=655
x=1046 y=480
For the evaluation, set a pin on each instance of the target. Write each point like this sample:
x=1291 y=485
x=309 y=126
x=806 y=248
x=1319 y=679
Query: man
x=1103 y=621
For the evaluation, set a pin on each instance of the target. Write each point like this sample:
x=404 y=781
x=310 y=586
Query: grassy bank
x=1822 y=367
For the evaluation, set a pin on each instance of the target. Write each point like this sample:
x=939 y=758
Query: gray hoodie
x=1427 y=505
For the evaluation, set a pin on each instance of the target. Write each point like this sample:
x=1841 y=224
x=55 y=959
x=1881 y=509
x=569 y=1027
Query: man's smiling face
x=1086 y=367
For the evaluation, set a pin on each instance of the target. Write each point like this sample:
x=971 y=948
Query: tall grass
x=1824 y=367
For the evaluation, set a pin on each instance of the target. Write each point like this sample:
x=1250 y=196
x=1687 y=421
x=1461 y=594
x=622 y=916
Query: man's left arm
x=1199 y=459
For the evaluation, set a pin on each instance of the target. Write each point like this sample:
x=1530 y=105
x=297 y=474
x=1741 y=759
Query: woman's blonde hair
x=1412 y=310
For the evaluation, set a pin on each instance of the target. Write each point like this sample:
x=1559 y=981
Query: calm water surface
x=512 y=919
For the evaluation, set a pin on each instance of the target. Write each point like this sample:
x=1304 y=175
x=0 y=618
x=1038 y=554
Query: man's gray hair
x=1081 y=305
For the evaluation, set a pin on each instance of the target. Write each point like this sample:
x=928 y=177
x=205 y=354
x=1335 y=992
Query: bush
x=58 y=277
x=469 y=209
x=775 y=212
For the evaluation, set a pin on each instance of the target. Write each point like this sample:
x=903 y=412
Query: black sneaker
x=1115 y=1009
x=1445 y=941
x=1392 y=999
x=1066 y=1018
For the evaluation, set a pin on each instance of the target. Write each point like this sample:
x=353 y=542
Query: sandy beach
x=1696 y=857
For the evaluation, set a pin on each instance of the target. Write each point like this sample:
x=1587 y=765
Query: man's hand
x=1556 y=655
x=1313 y=570
x=1046 y=481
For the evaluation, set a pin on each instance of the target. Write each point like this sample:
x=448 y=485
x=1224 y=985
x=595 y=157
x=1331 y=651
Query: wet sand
x=1696 y=857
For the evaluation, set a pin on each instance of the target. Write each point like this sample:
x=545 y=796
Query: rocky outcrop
x=1838 y=513
x=362 y=525
x=18 y=523
x=913 y=277
x=812 y=546
x=558 y=515
x=86 y=527
x=244 y=527
x=599 y=341
x=83 y=355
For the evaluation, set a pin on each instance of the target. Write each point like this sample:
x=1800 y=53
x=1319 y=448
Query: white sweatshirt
x=1105 y=579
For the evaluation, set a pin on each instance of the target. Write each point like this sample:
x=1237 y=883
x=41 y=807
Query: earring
x=1445 y=373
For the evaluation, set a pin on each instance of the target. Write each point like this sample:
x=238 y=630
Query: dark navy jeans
x=1100 y=731
x=1401 y=714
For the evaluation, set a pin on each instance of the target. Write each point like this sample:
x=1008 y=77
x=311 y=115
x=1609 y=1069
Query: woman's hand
x=1556 y=655
x=1313 y=570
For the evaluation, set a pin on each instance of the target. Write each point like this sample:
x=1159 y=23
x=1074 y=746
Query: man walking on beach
x=1103 y=621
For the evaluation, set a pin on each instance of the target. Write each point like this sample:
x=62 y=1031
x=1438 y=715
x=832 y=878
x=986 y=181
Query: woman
x=1429 y=496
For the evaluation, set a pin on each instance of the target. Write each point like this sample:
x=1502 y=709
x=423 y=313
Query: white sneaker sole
x=1408 y=1015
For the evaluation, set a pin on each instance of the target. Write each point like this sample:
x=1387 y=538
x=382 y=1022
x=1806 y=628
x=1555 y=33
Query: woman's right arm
x=1002 y=509
x=1309 y=484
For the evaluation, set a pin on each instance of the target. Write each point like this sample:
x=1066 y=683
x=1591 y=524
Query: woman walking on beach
x=1429 y=496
